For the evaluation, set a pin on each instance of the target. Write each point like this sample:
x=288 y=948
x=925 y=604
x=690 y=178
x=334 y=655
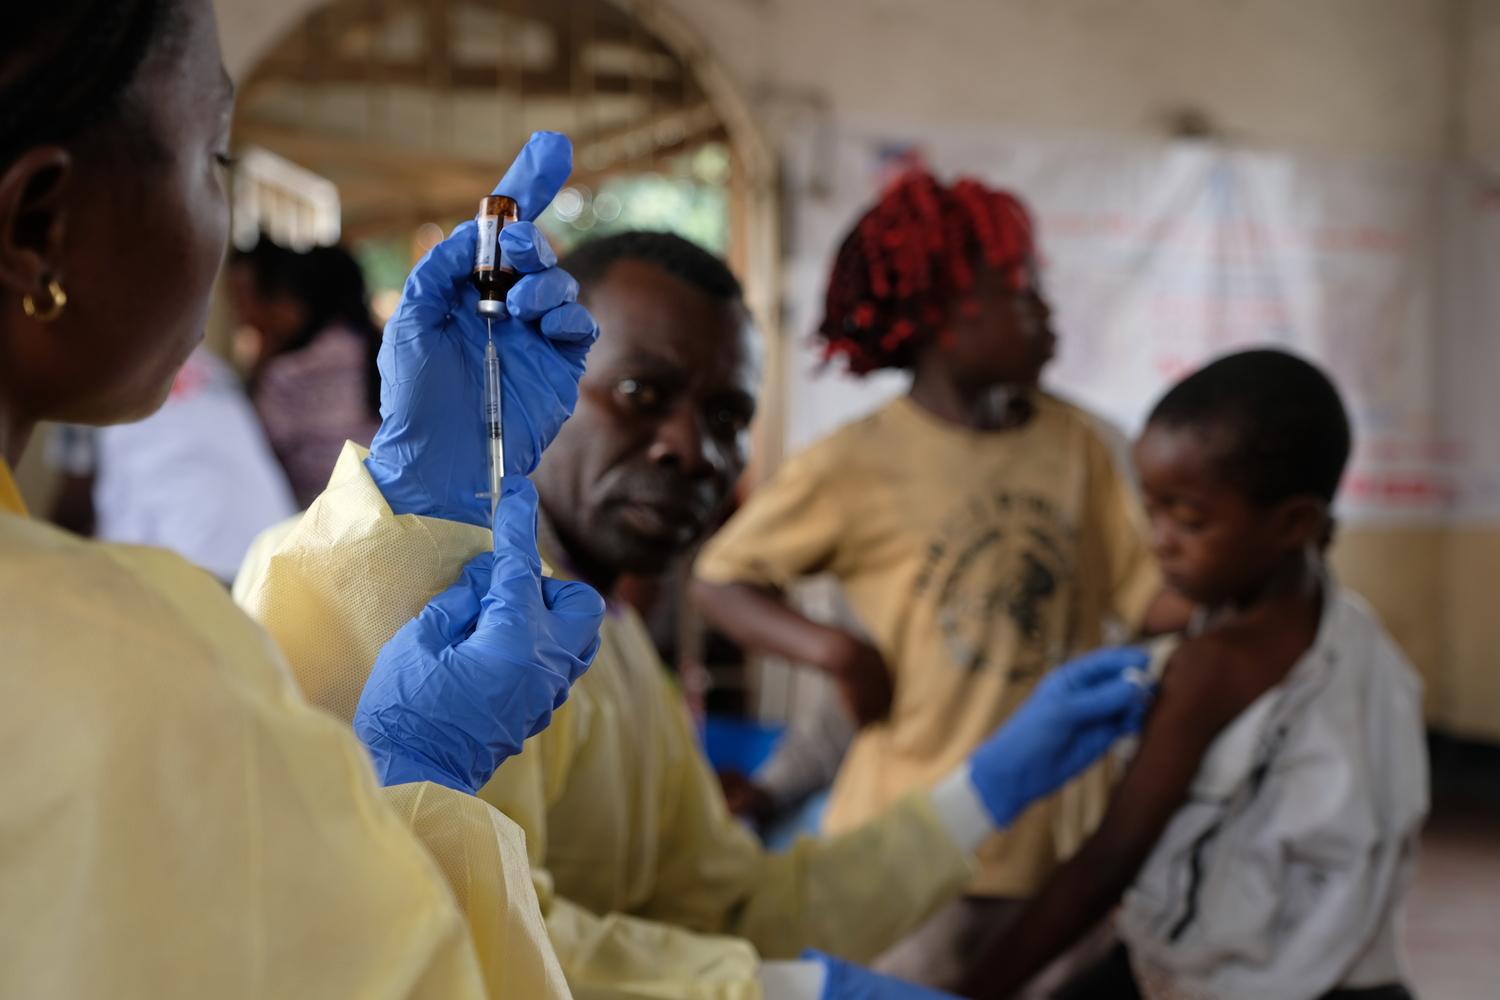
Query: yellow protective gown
x=179 y=823
x=650 y=887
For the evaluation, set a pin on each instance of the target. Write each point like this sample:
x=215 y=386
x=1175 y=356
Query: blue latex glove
x=483 y=666
x=1075 y=714
x=429 y=456
x=844 y=981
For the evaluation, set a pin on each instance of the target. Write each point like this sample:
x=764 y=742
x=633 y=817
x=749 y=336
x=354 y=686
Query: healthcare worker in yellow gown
x=177 y=822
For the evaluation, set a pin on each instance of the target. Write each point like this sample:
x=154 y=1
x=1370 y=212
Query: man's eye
x=641 y=395
x=727 y=420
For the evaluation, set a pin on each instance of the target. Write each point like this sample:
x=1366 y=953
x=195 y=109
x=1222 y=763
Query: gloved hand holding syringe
x=438 y=388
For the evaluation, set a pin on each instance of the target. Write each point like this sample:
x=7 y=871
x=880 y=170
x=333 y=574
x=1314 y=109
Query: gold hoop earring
x=54 y=308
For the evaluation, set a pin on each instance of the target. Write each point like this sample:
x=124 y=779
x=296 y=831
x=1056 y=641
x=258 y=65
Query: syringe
x=494 y=280
x=492 y=427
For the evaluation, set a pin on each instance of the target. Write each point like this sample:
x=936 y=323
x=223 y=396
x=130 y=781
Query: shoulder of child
x=1204 y=684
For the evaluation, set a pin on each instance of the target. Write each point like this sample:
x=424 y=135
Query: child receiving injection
x=1263 y=836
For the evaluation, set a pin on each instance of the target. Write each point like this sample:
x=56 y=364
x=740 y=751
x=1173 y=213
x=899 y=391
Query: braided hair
x=910 y=260
x=67 y=65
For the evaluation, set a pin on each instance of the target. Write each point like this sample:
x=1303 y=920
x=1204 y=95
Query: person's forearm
x=608 y=956
x=820 y=892
x=1075 y=899
x=760 y=620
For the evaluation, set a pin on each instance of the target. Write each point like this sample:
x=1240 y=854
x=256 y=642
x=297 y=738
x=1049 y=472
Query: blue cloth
x=734 y=744
x=430 y=455
x=845 y=981
x=804 y=821
x=480 y=669
x=1075 y=714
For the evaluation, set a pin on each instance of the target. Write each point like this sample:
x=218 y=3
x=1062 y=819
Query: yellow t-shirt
x=977 y=561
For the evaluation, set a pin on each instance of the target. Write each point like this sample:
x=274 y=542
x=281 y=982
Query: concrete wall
x=1477 y=69
x=1364 y=76
x=1467 y=696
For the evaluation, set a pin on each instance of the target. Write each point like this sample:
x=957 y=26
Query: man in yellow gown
x=650 y=888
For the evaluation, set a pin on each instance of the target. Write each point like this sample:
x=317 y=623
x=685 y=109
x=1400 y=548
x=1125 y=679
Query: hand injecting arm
x=1075 y=714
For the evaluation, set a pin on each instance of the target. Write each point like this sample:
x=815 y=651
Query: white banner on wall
x=1471 y=347
x=1158 y=258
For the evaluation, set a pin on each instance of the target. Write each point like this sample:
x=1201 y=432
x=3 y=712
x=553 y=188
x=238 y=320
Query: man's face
x=660 y=434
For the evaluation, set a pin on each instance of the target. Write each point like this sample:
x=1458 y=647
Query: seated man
x=642 y=871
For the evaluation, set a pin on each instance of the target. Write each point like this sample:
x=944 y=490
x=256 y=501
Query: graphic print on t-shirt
x=1000 y=570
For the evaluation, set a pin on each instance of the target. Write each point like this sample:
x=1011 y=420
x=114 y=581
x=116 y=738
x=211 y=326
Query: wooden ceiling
x=414 y=108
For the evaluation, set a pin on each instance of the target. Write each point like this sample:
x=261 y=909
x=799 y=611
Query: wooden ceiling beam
x=555 y=81
x=607 y=20
x=663 y=128
x=370 y=211
x=605 y=150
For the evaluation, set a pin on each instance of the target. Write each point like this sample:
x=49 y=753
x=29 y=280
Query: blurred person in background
x=787 y=795
x=196 y=477
x=313 y=378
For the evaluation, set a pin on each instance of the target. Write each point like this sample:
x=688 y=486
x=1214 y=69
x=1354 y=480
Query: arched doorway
x=409 y=110
x=412 y=109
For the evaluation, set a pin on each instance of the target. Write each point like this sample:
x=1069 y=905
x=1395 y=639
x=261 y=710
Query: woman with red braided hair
x=921 y=261
x=977 y=525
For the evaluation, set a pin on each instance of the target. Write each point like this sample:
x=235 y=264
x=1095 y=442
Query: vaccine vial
x=491 y=277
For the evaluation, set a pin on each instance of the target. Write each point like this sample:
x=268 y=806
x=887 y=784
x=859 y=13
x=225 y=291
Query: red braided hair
x=910 y=260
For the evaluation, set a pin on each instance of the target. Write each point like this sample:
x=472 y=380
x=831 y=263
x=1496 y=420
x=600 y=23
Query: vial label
x=489 y=243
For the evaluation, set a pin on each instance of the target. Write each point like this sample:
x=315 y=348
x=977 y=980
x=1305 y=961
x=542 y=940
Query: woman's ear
x=33 y=218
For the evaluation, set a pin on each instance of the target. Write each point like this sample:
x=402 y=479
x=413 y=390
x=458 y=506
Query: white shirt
x=1283 y=874
x=196 y=477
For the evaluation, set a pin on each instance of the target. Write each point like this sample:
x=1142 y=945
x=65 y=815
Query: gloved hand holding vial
x=434 y=450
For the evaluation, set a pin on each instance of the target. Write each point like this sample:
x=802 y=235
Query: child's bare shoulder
x=1210 y=678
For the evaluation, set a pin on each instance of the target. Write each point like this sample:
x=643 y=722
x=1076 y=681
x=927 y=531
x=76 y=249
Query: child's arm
x=1190 y=711
x=759 y=619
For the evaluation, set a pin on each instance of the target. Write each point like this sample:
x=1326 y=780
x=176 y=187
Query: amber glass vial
x=491 y=276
